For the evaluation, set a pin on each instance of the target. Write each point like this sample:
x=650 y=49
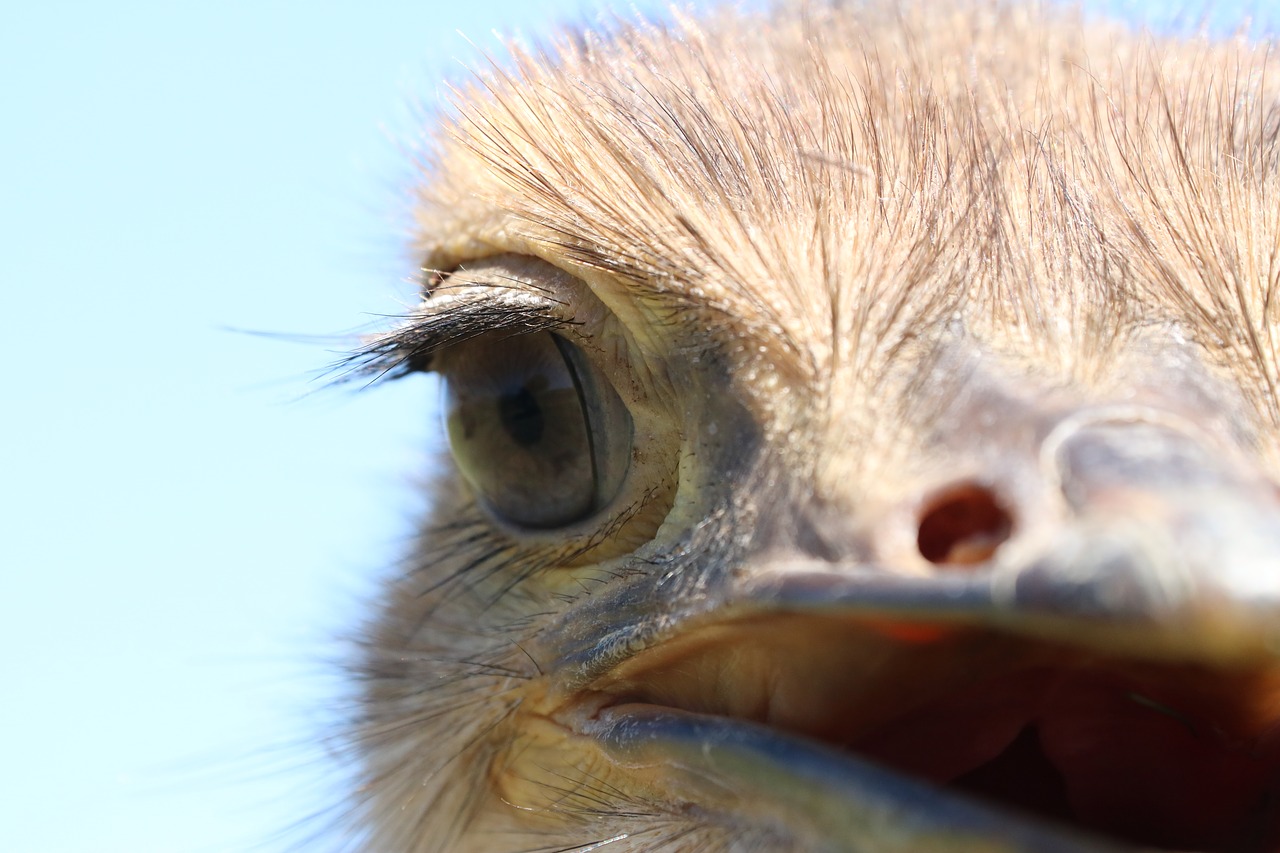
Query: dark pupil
x=522 y=417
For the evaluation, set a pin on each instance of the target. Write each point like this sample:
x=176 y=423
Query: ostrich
x=863 y=430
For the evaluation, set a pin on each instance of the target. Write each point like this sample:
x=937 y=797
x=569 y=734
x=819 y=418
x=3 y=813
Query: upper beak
x=1164 y=550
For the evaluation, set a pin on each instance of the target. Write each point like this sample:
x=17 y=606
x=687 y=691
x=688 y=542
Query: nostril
x=962 y=526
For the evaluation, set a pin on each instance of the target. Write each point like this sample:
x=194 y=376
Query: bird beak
x=1164 y=551
x=1175 y=545
x=803 y=692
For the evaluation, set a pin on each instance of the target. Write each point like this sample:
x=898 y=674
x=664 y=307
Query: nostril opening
x=963 y=526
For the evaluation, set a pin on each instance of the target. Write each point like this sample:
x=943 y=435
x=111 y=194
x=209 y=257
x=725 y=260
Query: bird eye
x=537 y=431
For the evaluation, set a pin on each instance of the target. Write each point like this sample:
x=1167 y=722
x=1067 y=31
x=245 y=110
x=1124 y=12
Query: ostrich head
x=863 y=425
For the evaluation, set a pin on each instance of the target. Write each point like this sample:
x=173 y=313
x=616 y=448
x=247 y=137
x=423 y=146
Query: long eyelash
x=448 y=316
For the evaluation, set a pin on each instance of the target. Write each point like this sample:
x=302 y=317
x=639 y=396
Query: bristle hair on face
x=838 y=215
x=1011 y=163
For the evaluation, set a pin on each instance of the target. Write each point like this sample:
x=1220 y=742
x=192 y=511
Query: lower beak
x=833 y=801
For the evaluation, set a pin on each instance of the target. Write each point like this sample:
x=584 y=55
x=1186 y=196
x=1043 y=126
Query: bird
x=862 y=436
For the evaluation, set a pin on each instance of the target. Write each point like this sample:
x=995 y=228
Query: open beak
x=1105 y=680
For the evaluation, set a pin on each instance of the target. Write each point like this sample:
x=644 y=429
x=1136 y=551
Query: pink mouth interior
x=1177 y=757
x=1148 y=757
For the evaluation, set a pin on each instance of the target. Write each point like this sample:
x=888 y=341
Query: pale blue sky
x=187 y=526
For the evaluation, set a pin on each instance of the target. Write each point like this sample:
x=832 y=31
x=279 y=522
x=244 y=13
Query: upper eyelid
x=452 y=313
